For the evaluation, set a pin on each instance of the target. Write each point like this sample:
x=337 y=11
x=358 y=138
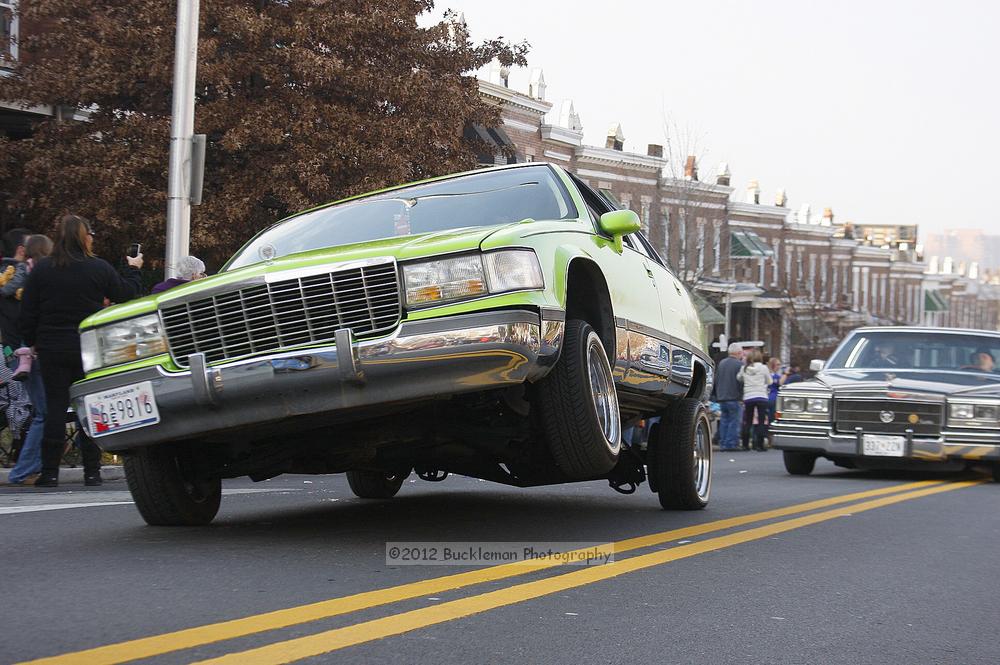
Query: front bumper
x=419 y=360
x=950 y=445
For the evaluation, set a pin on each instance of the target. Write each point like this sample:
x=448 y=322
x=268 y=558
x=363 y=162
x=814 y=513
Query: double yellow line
x=395 y=624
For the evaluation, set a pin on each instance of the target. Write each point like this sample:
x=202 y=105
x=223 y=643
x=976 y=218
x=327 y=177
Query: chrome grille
x=263 y=318
x=850 y=414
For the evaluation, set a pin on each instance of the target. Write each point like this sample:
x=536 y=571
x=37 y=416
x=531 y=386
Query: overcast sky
x=889 y=112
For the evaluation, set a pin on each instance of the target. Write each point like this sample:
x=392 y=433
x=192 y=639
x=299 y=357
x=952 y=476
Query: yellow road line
x=339 y=638
x=155 y=645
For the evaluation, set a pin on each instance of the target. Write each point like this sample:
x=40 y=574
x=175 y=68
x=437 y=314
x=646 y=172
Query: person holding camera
x=61 y=291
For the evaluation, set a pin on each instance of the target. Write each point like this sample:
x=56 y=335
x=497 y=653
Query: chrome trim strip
x=312 y=271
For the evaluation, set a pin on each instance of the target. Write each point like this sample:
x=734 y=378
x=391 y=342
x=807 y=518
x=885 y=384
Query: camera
x=133 y=250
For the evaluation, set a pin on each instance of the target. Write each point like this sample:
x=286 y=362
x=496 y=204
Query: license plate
x=120 y=409
x=883 y=446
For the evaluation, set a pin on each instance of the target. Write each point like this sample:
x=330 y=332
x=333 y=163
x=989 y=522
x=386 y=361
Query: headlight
x=974 y=415
x=441 y=281
x=818 y=405
x=122 y=342
x=447 y=280
x=792 y=404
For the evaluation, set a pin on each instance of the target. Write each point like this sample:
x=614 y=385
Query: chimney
x=654 y=150
x=616 y=139
x=505 y=76
x=691 y=168
x=780 y=199
x=536 y=87
x=753 y=192
x=805 y=213
x=724 y=175
x=827 y=216
x=849 y=231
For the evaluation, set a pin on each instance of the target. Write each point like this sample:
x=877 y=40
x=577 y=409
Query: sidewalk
x=75 y=474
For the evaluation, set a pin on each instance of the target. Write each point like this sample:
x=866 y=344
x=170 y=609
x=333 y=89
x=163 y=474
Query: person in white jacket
x=756 y=378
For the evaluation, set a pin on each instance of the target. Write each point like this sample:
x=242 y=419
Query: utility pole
x=181 y=132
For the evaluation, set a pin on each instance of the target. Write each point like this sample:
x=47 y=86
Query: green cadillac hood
x=402 y=248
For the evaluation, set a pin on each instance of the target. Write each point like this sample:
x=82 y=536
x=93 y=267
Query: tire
x=375 y=484
x=996 y=473
x=579 y=406
x=799 y=463
x=680 y=466
x=165 y=489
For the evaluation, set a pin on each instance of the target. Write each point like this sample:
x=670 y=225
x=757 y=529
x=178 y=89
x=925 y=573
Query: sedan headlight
x=818 y=405
x=447 y=280
x=972 y=414
x=122 y=342
x=803 y=408
x=791 y=404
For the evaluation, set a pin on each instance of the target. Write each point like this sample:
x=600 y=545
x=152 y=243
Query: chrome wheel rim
x=603 y=395
x=702 y=459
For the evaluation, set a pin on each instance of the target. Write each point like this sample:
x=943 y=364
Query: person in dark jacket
x=728 y=392
x=12 y=267
x=61 y=291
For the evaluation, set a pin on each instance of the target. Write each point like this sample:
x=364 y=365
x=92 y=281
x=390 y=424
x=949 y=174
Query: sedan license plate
x=128 y=407
x=883 y=446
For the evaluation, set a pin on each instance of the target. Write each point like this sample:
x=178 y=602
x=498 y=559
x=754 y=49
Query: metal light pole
x=181 y=131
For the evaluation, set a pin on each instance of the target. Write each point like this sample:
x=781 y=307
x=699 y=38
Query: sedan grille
x=870 y=415
x=264 y=318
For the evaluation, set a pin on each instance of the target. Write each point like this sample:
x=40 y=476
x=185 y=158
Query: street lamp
x=181 y=132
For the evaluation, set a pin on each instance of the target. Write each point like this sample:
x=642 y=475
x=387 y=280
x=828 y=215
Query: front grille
x=263 y=318
x=865 y=413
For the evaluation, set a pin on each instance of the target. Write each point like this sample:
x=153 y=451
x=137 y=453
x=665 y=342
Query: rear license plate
x=883 y=446
x=128 y=407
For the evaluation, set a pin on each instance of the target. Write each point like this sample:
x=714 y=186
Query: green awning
x=748 y=245
x=934 y=301
x=611 y=199
x=706 y=312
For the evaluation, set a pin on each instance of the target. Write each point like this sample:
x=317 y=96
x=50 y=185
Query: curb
x=75 y=474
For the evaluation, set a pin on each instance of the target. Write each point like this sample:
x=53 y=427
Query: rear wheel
x=680 y=464
x=579 y=406
x=375 y=484
x=799 y=463
x=167 y=488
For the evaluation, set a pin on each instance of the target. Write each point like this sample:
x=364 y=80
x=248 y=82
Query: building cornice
x=810 y=229
x=775 y=213
x=680 y=184
x=609 y=156
x=562 y=135
x=514 y=98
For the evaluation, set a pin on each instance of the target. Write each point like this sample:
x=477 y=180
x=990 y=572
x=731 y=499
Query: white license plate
x=128 y=407
x=883 y=446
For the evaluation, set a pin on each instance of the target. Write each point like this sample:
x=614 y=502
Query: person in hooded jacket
x=60 y=292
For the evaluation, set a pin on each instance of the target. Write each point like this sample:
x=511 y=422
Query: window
x=788 y=268
x=822 y=278
x=682 y=231
x=666 y=234
x=701 y=245
x=8 y=30
x=645 y=217
x=716 y=246
x=650 y=251
x=774 y=273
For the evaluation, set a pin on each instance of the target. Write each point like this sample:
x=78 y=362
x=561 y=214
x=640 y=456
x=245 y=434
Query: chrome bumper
x=420 y=360
x=950 y=445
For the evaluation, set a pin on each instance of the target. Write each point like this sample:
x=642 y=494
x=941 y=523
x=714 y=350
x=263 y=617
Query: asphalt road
x=904 y=572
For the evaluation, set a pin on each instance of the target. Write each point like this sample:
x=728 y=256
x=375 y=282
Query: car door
x=640 y=363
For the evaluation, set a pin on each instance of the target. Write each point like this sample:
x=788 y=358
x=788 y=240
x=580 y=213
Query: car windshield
x=479 y=199
x=965 y=352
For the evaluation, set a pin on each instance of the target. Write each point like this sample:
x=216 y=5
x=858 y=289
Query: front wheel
x=799 y=463
x=680 y=461
x=168 y=490
x=375 y=484
x=579 y=406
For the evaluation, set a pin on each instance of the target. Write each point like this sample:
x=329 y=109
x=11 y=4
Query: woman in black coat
x=63 y=290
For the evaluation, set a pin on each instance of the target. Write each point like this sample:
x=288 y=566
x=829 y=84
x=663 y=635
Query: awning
x=611 y=199
x=491 y=141
x=749 y=245
x=934 y=301
x=706 y=312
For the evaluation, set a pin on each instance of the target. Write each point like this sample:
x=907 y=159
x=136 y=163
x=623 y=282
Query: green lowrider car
x=506 y=324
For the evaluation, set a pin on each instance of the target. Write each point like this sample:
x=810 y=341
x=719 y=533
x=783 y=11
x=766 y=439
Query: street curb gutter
x=75 y=474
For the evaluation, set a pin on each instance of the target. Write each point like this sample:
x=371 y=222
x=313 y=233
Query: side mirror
x=816 y=365
x=618 y=223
